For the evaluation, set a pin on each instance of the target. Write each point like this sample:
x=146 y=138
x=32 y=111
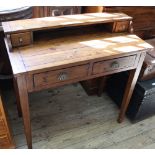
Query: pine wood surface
x=69 y=50
x=57 y=22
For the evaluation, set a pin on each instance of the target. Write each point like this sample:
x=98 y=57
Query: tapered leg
x=23 y=96
x=133 y=76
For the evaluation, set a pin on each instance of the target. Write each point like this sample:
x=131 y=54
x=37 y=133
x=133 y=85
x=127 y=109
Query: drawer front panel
x=121 y=26
x=61 y=75
x=2 y=126
x=21 y=39
x=4 y=141
x=114 y=64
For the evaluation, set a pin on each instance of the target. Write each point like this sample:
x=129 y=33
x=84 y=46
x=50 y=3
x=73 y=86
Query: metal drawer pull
x=115 y=64
x=63 y=76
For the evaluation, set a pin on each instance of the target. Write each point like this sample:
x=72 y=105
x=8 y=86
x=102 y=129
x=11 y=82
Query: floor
x=67 y=118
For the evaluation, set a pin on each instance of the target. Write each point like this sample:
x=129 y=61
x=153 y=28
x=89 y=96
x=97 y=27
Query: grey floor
x=67 y=118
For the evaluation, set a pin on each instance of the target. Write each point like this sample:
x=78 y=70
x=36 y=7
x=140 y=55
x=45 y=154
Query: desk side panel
x=15 y=60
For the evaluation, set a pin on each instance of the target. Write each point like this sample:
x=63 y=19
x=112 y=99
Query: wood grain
x=69 y=50
x=53 y=56
x=114 y=64
x=61 y=21
x=51 y=77
x=21 y=39
x=82 y=122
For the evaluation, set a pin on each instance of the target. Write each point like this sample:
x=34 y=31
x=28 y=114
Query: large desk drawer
x=56 y=76
x=114 y=64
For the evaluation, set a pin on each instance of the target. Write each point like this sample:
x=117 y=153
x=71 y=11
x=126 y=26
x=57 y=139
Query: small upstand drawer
x=121 y=26
x=114 y=64
x=21 y=39
x=57 y=76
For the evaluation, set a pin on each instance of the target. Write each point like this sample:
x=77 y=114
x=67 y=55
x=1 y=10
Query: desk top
x=61 y=21
x=71 y=49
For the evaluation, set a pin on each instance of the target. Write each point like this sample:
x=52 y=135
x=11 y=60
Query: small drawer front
x=57 y=76
x=4 y=141
x=121 y=26
x=21 y=39
x=114 y=64
x=2 y=126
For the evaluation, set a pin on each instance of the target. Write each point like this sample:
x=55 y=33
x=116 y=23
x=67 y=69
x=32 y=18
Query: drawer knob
x=63 y=76
x=20 y=40
x=114 y=65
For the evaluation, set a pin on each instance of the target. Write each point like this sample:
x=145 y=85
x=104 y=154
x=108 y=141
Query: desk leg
x=24 y=103
x=17 y=98
x=133 y=76
x=102 y=85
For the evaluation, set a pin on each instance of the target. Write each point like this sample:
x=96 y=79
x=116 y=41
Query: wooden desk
x=54 y=51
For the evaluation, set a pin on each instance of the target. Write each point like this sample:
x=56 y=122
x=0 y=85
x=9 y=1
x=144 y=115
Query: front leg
x=24 y=104
x=17 y=98
x=133 y=76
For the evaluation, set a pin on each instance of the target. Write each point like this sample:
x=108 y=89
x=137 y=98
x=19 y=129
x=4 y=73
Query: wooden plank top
x=61 y=21
x=68 y=50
